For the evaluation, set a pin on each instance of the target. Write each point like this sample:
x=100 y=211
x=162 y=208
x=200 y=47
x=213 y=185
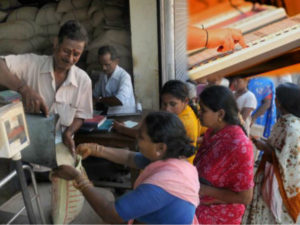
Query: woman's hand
x=66 y=172
x=88 y=149
x=260 y=144
x=225 y=39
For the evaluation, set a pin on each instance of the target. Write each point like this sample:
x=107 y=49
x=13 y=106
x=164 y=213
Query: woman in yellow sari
x=276 y=196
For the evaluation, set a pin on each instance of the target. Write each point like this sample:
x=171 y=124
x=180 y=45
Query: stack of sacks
x=110 y=21
x=20 y=34
x=32 y=29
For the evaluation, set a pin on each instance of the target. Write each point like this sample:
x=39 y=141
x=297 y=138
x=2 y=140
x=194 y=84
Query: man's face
x=67 y=53
x=107 y=65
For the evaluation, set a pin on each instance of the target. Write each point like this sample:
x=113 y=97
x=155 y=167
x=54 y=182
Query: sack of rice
x=68 y=5
x=99 y=30
x=120 y=3
x=23 y=46
x=7 y=4
x=49 y=30
x=21 y=29
x=95 y=5
x=113 y=13
x=23 y=13
x=48 y=15
x=77 y=14
x=88 y=25
x=66 y=201
x=121 y=37
x=98 y=17
x=3 y=15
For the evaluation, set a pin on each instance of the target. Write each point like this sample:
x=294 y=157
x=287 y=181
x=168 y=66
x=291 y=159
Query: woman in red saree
x=224 y=161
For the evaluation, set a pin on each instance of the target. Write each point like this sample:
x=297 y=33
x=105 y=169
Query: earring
x=220 y=120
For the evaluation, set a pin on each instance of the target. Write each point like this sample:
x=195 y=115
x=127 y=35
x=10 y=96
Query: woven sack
x=3 y=15
x=48 y=15
x=66 y=200
x=23 y=13
x=7 y=4
x=95 y=5
x=76 y=14
x=20 y=30
x=113 y=13
x=11 y=46
x=98 y=17
x=49 y=30
x=68 y=5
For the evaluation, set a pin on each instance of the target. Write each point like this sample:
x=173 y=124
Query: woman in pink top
x=224 y=161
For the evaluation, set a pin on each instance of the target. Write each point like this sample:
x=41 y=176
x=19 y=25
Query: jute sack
x=19 y=30
x=120 y=3
x=99 y=30
x=67 y=5
x=49 y=30
x=113 y=13
x=7 y=4
x=88 y=25
x=66 y=201
x=120 y=37
x=12 y=46
x=48 y=15
x=95 y=5
x=76 y=14
x=98 y=17
x=23 y=13
x=3 y=15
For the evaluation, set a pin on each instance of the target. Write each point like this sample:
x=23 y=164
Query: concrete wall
x=143 y=19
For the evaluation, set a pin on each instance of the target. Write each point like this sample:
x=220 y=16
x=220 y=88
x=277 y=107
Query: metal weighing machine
x=14 y=138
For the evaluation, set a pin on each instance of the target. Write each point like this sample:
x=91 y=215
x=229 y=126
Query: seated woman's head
x=162 y=136
x=174 y=96
x=218 y=107
x=288 y=99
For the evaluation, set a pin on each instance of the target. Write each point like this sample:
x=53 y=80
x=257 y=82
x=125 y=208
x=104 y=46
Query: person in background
x=245 y=100
x=114 y=88
x=174 y=99
x=224 y=160
x=265 y=114
x=277 y=182
x=53 y=84
x=166 y=192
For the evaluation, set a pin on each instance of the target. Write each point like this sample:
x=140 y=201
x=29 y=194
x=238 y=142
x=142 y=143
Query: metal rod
x=25 y=192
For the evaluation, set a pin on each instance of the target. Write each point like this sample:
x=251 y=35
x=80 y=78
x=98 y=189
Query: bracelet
x=82 y=184
x=206 y=42
x=99 y=149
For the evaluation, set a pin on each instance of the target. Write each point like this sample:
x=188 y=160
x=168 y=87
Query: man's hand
x=68 y=141
x=225 y=39
x=33 y=102
x=118 y=126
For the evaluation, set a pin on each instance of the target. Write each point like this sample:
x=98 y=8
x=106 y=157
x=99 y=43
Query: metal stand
x=25 y=193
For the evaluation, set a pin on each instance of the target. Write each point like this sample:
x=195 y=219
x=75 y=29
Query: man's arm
x=245 y=112
x=68 y=134
x=33 y=102
x=110 y=101
x=262 y=109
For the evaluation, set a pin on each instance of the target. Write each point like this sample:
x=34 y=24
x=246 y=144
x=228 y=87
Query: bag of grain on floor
x=67 y=201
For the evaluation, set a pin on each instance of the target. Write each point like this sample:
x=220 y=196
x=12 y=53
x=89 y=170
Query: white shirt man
x=114 y=87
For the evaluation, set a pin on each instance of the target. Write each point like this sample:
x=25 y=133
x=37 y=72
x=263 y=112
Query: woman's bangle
x=206 y=42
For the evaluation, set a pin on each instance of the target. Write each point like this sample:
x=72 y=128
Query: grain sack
x=7 y=4
x=23 y=13
x=49 y=30
x=19 y=30
x=68 y=5
x=113 y=13
x=48 y=15
x=99 y=30
x=120 y=37
x=115 y=25
x=95 y=5
x=92 y=56
x=10 y=46
x=93 y=67
x=66 y=200
x=98 y=17
x=3 y=15
x=77 y=14
x=126 y=63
